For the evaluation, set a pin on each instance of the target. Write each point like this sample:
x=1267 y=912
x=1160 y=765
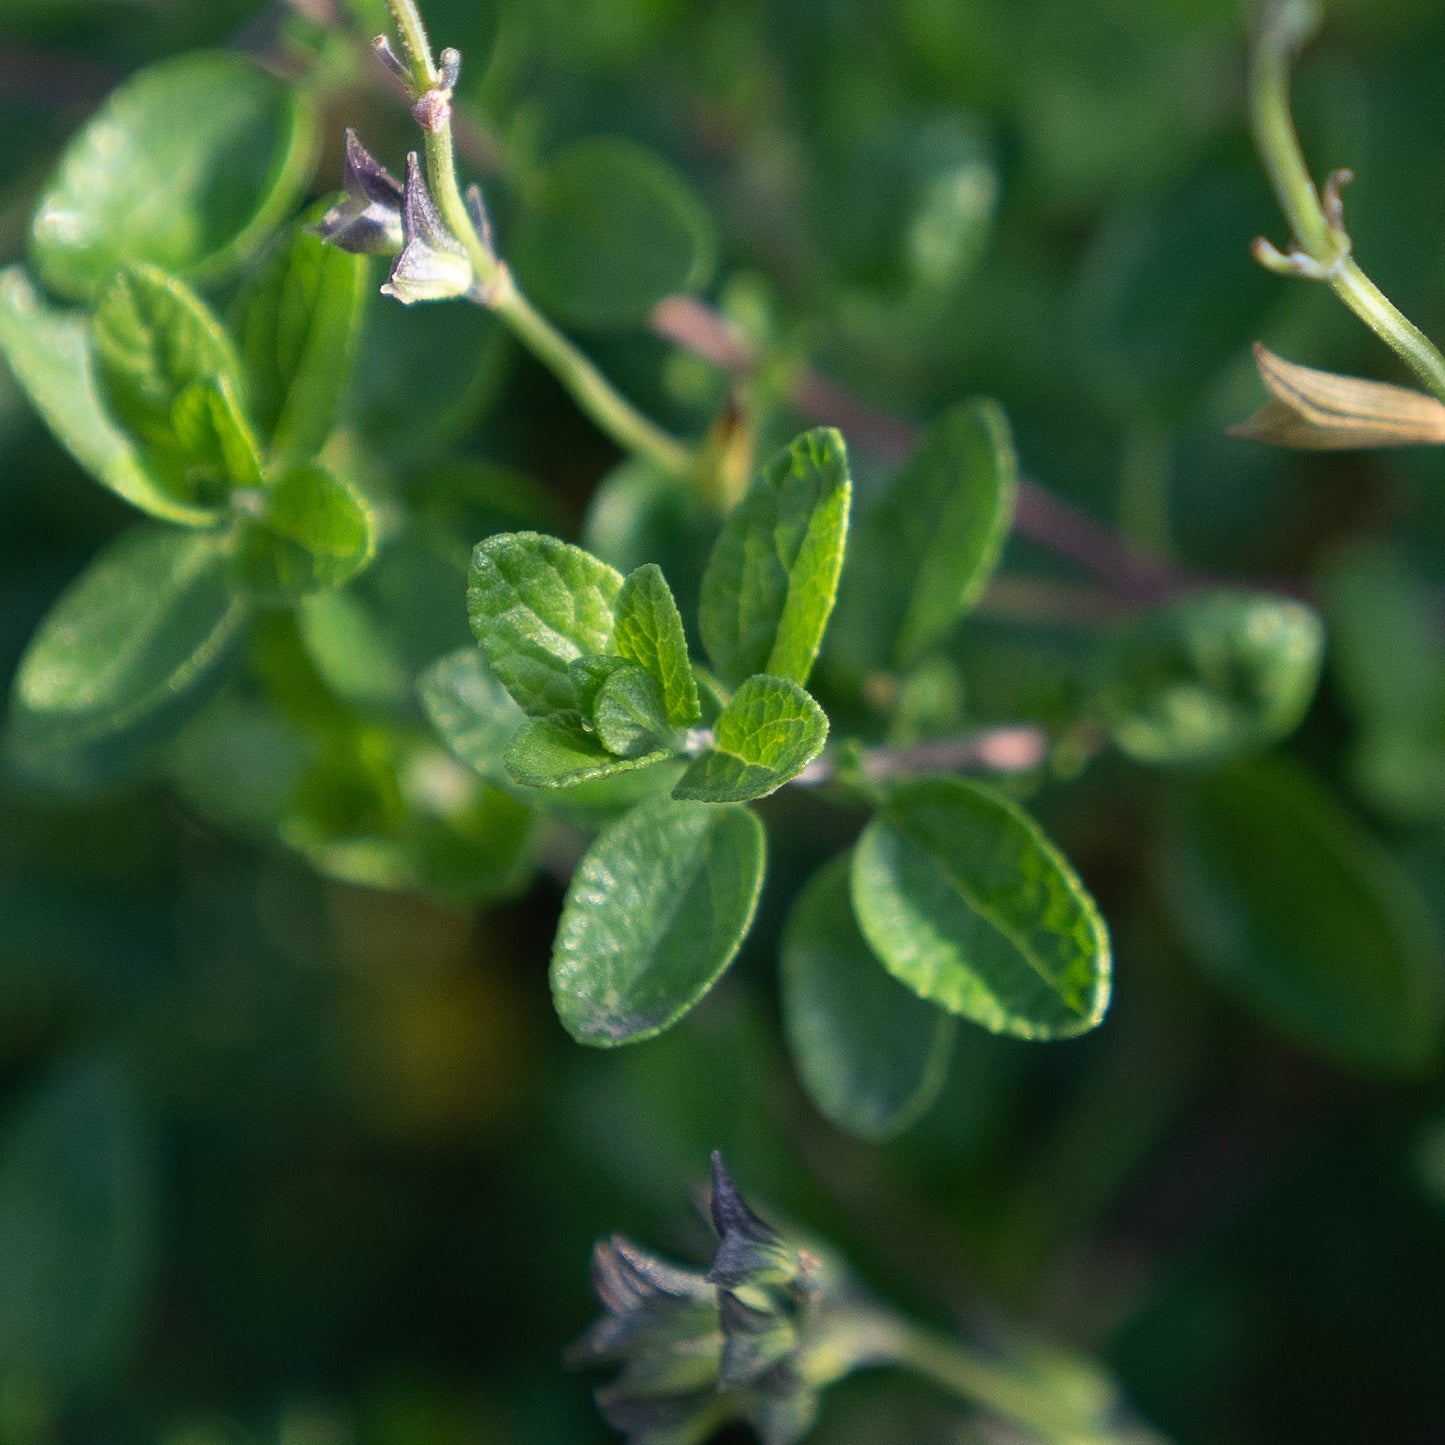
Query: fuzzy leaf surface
x=768 y=733
x=555 y=752
x=650 y=633
x=964 y=899
x=656 y=912
x=537 y=605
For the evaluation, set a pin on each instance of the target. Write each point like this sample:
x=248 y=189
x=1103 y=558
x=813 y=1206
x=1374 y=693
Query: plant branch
x=496 y=287
x=1322 y=248
x=1017 y=748
x=1021 y=1396
x=1040 y=515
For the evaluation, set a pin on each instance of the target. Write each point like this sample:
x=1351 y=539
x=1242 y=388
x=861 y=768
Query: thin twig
x=1040 y=515
x=1017 y=748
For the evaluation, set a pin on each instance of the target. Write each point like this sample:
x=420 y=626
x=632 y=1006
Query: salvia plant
x=389 y=662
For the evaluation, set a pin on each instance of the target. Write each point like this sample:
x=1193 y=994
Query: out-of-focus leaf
x=50 y=354
x=537 y=605
x=187 y=166
x=1301 y=915
x=312 y=532
x=1209 y=678
x=298 y=328
x=131 y=650
x=1387 y=664
x=77 y=1227
x=925 y=553
x=473 y=713
x=373 y=639
x=612 y=230
x=871 y=1054
x=770 y=583
x=966 y=901
x=656 y=911
x=649 y=632
x=769 y=732
x=170 y=374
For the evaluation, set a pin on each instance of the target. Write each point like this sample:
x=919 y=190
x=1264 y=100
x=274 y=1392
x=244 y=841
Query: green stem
x=588 y=387
x=1284 y=27
x=970 y=1377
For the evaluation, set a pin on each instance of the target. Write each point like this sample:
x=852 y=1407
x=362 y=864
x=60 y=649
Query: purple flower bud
x=369 y=220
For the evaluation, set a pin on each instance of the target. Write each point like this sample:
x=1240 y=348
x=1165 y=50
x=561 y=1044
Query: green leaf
x=554 y=752
x=628 y=713
x=312 y=532
x=924 y=555
x=536 y=605
x=132 y=649
x=1290 y=905
x=50 y=353
x=768 y=733
x=770 y=583
x=1209 y=678
x=471 y=711
x=298 y=329
x=871 y=1054
x=171 y=376
x=967 y=902
x=77 y=1229
x=188 y=166
x=656 y=911
x=612 y=230
x=649 y=632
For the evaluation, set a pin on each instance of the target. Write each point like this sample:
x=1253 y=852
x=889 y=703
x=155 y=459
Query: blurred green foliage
x=293 y=1150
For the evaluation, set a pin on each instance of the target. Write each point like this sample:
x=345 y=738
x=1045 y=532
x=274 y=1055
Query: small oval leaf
x=126 y=655
x=657 y=910
x=187 y=166
x=1207 y=679
x=50 y=353
x=538 y=604
x=612 y=231
x=772 y=577
x=769 y=732
x=965 y=900
x=1300 y=914
x=871 y=1054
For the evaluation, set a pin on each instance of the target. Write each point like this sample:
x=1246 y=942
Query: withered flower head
x=1321 y=411
x=433 y=265
x=698 y=1350
x=368 y=221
